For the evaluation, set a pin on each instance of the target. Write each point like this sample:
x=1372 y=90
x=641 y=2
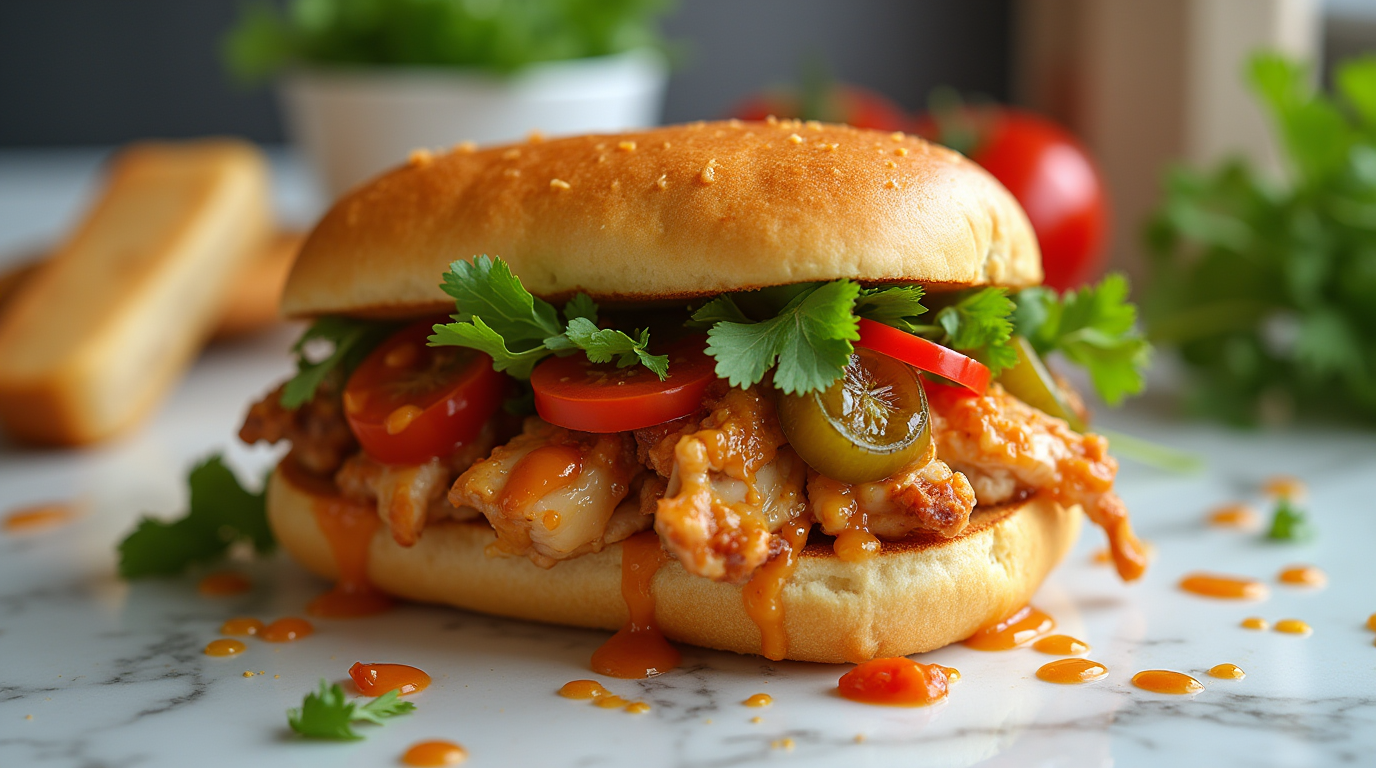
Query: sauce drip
x=854 y=545
x=38 y=517
x=1304 y=576
x=287 y=630
x=1072 y=671
x=428 y=754
x=583 y=689
x=896 y=682
x=1293 y=627
x=763 y=594
x=242 y=625
x=377 y=679
x=349 y=529
x=638 y=649
x=1060 y=645
x=1165 y=681
x=225 y=647
x=540 y=473
x=1233 y=516
x=1223 y=587
x=1255 y=622
x=1227 y=672
x=759 y=700
x=224 y=584
x=1025 y=625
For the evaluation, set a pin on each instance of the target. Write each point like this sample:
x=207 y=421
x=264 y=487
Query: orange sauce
x=224 y=584
x=638 y=649
x=1101 y=556
x=1025 y=625
x=759 y=700
x=1164 y=681
x=377 y=679
x=583 y=689
x=1227 y=672
x=540 y=473
x=287 y=630
x=242 y=625
x=1371 y=622
x=1060 y=645
x=398 y=420
x=349 y=529
x=898 y=682
x=1255 y=622
x=763 y=594
x=38 y=517
x=1304 y=576
x=1284 y=486
x=225 y=647
x=637 y=707
x=1234 y=516
x=1072 y=671
x=855 y=545
x=1223 y=587
x=1294 y=627
x=429 y=754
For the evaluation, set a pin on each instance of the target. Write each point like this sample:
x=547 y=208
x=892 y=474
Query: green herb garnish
x=351 y=341
x=220 y=513
x=326 y=714
x=1289 y=523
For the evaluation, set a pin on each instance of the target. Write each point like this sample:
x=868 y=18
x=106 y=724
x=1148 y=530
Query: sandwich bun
x=916 y=595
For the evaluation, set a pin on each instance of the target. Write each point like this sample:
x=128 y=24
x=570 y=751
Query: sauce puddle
x=1223 y=587
x=429 y=754
x=1227 y=672
x=638 y=649
x=1025 y=625
x=1303 y=576
x=898 y=682
x=1072 y=671
x=377 y=679
x=1060 y=645
x=1165 y=681
x=40 y=517
x=225 y=647
x=1294 y=627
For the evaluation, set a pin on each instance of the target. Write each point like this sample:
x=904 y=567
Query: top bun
x=668 y=214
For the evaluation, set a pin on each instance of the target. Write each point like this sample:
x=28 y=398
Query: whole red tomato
x=1050 y=174
x=838 y=103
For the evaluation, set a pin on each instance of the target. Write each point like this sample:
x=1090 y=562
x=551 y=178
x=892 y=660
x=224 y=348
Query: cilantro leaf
x=978 y=322
x=897 y=305
x=1289 y=523
x=487 y=289
x=476 y=334
x=721 y=309
x=220 y=512
x=327 y=714
x=582 y=306
x=602 y=344
x=352 y=340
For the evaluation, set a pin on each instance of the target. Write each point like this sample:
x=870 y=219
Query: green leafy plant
x=326 y=714
x=495 y=35
x=1268 y=290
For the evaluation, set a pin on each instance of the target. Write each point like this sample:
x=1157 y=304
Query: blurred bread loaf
x=98 y=335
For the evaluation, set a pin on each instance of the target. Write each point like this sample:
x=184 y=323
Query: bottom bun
x=917 y=595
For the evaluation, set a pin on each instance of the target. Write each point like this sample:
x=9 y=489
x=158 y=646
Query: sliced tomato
x=408 y=402
x=924 y=355
x=599 y=397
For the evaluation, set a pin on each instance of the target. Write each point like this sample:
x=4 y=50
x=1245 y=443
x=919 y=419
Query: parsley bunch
x=1268 y=290
x=326 y=714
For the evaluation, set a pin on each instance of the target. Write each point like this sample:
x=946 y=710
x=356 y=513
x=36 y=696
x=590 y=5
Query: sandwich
x=775 y=388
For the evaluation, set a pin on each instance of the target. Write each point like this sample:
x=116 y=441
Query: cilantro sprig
x=496 y=315
x=350 y=341
x=220 y=513
x=327 y=714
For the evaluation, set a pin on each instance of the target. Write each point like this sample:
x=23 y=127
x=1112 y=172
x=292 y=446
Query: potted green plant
x=365 y=82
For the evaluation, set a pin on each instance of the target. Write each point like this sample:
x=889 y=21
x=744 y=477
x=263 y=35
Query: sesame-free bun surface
x=669 y=213
x=916 y=596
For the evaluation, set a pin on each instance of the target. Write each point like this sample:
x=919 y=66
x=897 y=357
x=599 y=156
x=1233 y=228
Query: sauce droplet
x=1165 y=681
x=1072 y=671
x=398 y=420
x=583 y=689
x=1025 y=625
x=1234 y=516
x=898 y=682
x=224 y=584
x=1255 y=622
x=763 y=594
x=225 y=647
x=1304 y=576
x=1060 y=645
x=38 y=517
x=287 y=630
x=1223 y=587
x=1227 y=672
x=242 y=625
x=855 y=545
x=638 y=649
x=759 y=700
x=349 y=529
x=429 y=754
x=610 y=701
x=1293 y=627
x=1285 y=487
x=377 y=679
x=1371 y=622
x=637 y=707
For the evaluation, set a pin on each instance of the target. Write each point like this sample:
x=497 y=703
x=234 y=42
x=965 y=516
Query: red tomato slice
x=573 y=393
x=923 y=355
x=409 y=402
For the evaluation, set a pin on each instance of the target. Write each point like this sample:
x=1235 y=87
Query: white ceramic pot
x=356 y=122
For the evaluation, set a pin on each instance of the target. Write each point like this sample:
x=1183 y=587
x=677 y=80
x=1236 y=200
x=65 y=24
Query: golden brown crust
x=668 y=213
x=918 y=595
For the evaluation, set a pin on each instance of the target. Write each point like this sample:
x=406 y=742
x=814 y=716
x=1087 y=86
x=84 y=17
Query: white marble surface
x=113 y=674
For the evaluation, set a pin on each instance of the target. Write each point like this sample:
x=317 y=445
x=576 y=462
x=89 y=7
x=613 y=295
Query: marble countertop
x=98 y=672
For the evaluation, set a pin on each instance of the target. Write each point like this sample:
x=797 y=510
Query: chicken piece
x=732 y=483
x=319 y=435
x=552 y=493
x=924 y=495
x=1005 y=446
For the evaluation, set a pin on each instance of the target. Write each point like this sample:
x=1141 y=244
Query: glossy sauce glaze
x=1060 y=645
x=1255 y=622
x=377 y=679
x=242 y=625
x=39 y=517
x=225 y=647
x=856 y=545
x=763 y=594
x=1022 y=627
x=287 y=630
x=540 y=473
x=1165 y=681
x=1223 y=587
x=1303 y=576
x=759 y=700
x=1072 y=671
x=638 y=649
x=1293 y=627
x=429 y=754
x=349 y=529
x=898 y=682
x=1227 y=672
x=224 y=584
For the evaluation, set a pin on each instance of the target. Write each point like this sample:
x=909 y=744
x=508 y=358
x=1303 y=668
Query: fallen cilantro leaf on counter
x=1289 y=523
x=220 y=512
x=326 y=714
x=351 y=341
